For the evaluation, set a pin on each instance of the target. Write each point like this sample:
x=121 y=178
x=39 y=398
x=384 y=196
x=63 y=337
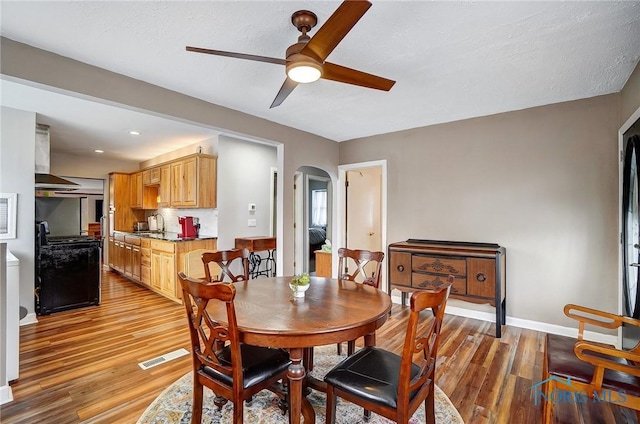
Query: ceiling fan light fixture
x=304 y=71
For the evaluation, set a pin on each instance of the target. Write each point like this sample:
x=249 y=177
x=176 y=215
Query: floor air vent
x=163 y=358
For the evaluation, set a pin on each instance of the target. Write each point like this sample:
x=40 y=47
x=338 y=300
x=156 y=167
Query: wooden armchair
x=391 y=385
x=597 y=370
x=232 y=370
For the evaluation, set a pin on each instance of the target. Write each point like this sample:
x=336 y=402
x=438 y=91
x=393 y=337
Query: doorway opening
x=312 y=218
x=362 y=208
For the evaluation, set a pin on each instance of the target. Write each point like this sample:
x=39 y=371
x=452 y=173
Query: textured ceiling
x=451 y=60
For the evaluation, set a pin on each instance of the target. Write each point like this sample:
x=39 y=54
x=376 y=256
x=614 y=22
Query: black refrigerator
x=631 y=234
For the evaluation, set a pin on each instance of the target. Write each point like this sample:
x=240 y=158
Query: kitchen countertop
x=166 y=236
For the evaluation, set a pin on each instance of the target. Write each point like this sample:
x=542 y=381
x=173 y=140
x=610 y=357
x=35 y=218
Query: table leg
x=296 y=374
x=370 y=339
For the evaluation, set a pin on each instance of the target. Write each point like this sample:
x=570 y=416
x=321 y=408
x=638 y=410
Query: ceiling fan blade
x=335 y=29
x=238 y=55
x=284 y=92
x=338 y=73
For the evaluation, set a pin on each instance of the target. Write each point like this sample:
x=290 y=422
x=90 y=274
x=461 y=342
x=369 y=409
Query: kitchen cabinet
x=163 y=267
x=121 y=215
x=151 y=177
x=136 y=190
x=132 y=257
x=193 y=182
x=117 y=253
x=479 y=271
x=145 y=261
x=155 y=263
x=164 y=189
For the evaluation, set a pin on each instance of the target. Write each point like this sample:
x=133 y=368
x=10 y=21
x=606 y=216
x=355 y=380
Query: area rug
x=173 y=406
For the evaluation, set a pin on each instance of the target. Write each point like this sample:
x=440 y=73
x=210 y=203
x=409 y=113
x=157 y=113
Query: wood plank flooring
x=82 y=365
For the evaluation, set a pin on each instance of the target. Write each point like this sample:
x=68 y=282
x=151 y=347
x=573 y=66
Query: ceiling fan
x=305 y=60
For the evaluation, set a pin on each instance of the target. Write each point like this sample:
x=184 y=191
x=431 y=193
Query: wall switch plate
x=252 y=223
x=252 y=207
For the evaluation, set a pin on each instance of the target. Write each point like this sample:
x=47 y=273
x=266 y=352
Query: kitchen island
x=153 y=259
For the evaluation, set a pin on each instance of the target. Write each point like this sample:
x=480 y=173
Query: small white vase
x=298 y=291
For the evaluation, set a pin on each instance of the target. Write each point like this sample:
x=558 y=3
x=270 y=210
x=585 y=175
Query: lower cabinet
x=145 y=262
x=156 y=263
x=163 y=277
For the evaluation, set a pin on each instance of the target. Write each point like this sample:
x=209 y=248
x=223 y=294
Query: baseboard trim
x=6 y=395
x=528 y=324
x=29 y=319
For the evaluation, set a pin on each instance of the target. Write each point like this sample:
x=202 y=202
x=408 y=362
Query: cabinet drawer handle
x=400 y=268
x=481 y=277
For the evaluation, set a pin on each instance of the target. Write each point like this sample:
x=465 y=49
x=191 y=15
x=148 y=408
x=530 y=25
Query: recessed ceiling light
x=132 y=132
x=99 y=151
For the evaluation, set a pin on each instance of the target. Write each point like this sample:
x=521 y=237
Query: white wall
x=17 y=175
x=244 y=173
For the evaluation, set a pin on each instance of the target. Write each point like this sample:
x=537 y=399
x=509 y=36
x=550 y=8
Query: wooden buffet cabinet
x=479 y=270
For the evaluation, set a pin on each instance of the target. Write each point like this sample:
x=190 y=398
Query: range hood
x=44 y=180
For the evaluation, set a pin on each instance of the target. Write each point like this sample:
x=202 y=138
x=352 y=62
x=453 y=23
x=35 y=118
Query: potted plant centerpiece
x=299 y=284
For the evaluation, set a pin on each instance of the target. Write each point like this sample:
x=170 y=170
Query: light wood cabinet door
x=136 y=190
x=176 y=184
x=167 y=275
x=190 y=182
x=127 y=260
x=122 y=216
x=164 y=191
x=156 y=269
x=135 y=263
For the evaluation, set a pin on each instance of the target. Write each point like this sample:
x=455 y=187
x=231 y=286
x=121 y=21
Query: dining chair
x=232 y=370
x=596 y=371
x=362 y=266
x=234 y=265
x=393 y=385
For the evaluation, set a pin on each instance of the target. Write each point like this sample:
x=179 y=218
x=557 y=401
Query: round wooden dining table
x=332 y=311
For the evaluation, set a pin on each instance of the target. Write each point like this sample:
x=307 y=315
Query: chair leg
x=351 y=347
x=429 y=405
x=547 y=409
x=238 y=411
x=196 y=412
x=366 y=415
x=339 y=348
x=330 y=417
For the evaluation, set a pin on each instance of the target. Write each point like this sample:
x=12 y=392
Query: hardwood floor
x=82 y=365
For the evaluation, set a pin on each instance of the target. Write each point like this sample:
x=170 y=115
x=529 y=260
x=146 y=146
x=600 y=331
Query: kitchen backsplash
x=208 y=219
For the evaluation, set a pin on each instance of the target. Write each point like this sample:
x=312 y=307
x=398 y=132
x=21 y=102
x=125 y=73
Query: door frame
x=341 y=208
x=628 y=123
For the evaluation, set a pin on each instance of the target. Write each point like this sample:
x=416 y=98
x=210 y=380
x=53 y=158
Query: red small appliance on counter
x=189 y=225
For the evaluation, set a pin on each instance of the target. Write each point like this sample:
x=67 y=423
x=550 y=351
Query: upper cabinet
x=189 y=182
x=193 y=182
x=151 y=176
x=164 y=189
x=121 y=215
x=136 y=191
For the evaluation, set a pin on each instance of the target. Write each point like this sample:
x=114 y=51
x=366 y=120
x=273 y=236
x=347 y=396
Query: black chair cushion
x=371 y=374
x=563 y=362
x=258 y=364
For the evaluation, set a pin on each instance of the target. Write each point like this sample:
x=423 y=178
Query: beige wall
x=300 y=148
x=542 y=182
x=630 y=95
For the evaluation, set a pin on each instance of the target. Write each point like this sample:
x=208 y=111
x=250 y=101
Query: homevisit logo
x=572 y=394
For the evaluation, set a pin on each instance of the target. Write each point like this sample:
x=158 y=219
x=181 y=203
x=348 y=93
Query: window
x=319 y=208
